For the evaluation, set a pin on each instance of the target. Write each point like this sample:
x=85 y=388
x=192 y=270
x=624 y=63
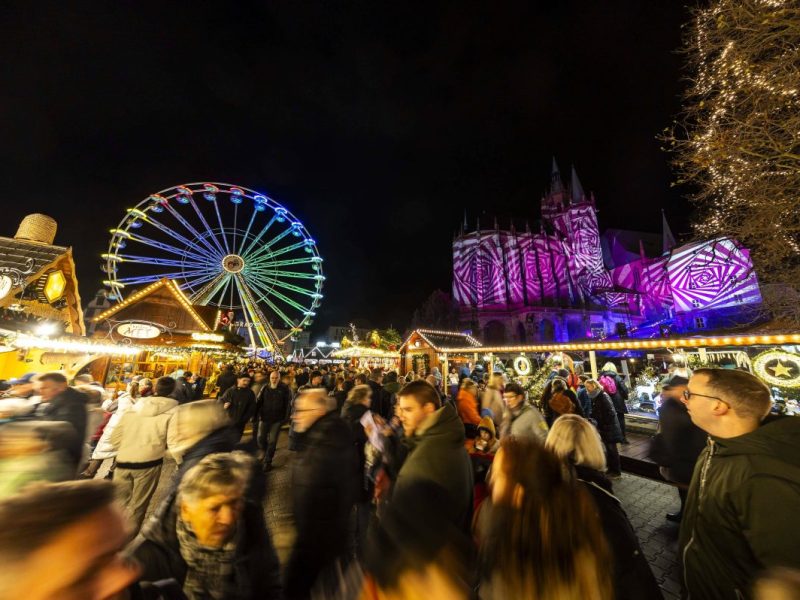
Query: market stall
x=369 y=358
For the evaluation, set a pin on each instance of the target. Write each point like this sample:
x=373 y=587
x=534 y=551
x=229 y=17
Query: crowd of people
x=401 y=487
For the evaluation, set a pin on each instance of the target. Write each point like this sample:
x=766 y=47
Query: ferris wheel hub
x=233 y=263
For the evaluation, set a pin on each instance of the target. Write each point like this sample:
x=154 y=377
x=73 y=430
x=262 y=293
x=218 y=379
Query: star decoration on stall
x=780 y=370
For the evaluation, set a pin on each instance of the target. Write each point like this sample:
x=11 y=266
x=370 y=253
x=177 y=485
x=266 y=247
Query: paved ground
x=646 y=502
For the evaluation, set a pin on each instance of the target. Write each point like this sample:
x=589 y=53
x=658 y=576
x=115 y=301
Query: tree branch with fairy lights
x=737 y=143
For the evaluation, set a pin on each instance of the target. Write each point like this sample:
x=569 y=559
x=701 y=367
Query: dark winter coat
x=199 y=388
x=584 y=401
x=550 y=415
x=621 y=395
x=242 y=407
x=633 y=579
x=381 y=400
x=437 y=453
x=352 y=416
x=605 y=417
x=323 y=493
x=256 y=567
x=678 y=442
x=183 y=392
x=740 y=516
x=225 y=381
x=68 y=406
x=273 y=403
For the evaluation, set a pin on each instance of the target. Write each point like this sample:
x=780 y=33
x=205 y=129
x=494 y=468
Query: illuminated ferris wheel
x=225 y=246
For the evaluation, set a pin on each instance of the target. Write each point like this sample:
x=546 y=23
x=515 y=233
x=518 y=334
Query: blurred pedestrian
x=140 y=441
x=605 y=419
x=213 y=542
x=61 y=402
x=615 y=387
x=63 y=541
x=272 y=410
x=574 y=440
x=240 y=402
x=521 y=419
x=323 y=493
x=434 y=437
x=467 y=404
x=542 y=539
x=678 y=442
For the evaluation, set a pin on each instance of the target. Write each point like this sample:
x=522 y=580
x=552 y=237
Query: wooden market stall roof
x=361 y=352
x=148 y=302
x=28 y=265
x=635 y=344
x=442 y=339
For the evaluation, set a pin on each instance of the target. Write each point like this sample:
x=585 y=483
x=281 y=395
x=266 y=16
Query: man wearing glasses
x=741 y=512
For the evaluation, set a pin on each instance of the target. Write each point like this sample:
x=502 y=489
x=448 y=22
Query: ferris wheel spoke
x=206 y=225
x=286 y=286
x=266 y=300
x=288 y=274
x=284 y=250
x=260 y=322
x=202 y=295
x=192 y=282
x=235 y=217
x=165 y=247
x=165 y=262
x=174 y=234
x=194 y=231
x=256 y=239
x=247 y=231
x=265 y=248
x=220 y=293
x=177 y=275
x=221 y=228
x=273 y=292
x=287 y=263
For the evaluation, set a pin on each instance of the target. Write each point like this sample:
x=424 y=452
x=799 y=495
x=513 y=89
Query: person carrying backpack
x=561 y=401
x=615 y=387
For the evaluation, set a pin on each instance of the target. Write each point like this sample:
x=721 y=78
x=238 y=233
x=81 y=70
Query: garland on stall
x=424 y=359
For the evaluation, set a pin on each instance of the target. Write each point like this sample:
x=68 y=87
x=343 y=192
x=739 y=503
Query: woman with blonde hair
x=542 y=540
x=576 y=442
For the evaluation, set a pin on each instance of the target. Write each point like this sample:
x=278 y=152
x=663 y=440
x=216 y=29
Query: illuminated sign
x=208 y=337
x=522 y=365
x=779 y=368
x=139 y=331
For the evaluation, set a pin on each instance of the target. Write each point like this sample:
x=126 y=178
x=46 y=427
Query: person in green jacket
x=741 y=512
x=434 y=436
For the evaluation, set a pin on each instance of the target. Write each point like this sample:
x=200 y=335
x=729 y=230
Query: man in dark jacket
x=184 y=390
x=240 y=403
x=323 y=493
x=272 y=407
x=226 y=380
x=213 y=541
x=679 y=442
x=741 y=512
x=63 y=403
x=434 y=435
x=605 y=419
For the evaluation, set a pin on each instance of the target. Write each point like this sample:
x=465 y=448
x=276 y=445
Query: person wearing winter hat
x=486 y=442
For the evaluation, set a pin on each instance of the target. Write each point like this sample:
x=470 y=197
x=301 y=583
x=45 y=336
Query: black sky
x=376 y=126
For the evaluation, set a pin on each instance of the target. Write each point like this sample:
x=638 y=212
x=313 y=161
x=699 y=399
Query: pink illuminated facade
x=559 y=284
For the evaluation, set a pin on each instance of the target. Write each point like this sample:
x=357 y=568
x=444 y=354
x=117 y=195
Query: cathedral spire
x=556 y=185
x=578 y=194
x=668 y=240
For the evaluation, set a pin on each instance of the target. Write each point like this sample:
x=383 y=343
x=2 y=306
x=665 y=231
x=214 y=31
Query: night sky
x=378 y=127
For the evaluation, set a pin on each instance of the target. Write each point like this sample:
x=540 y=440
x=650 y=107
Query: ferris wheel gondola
x=225 y=246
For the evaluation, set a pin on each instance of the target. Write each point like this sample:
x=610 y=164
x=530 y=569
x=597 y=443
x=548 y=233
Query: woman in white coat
x=104 y=450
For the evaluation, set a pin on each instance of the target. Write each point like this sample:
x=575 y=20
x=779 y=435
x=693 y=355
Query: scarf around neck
x=210 y=572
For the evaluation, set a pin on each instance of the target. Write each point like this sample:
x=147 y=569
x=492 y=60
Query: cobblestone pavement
x=646 y=502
